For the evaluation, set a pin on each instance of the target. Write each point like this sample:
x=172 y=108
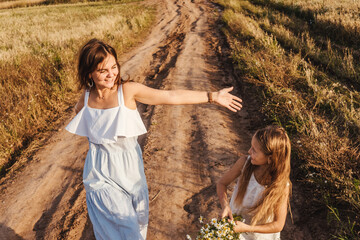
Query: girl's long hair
x=91 y=54
x=275 y=143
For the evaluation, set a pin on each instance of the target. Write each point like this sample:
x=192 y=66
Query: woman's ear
x=269 y=159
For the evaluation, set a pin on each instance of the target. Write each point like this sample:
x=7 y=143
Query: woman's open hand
x=224 y=98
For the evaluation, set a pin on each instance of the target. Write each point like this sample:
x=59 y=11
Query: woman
x=114 y=179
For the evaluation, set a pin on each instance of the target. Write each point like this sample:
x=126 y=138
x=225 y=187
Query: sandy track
x=186 y=150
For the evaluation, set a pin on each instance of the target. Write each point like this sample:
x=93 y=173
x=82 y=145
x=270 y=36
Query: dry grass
x=39 y=29
x=344 y=12
x=38 y=48
x=336 y=19
x=7 y=4
x=309 y=88
x=20 y=3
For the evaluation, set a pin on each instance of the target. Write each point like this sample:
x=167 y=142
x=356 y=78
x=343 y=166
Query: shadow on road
x=8 y=233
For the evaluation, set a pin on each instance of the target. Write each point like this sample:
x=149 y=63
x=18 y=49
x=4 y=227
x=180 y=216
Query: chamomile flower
x=217 y=225
x=217 y=229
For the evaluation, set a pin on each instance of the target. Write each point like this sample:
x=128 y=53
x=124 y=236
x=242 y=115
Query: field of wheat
x=38 y=54
x=304 y=57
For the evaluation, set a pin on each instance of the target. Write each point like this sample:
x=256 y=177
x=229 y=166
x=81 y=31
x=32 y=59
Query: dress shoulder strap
x=86 y=99
x=121 y=96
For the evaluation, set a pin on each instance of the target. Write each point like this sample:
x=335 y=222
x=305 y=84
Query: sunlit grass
x=6 y=4
x=337 y=20
x=19 y=3
x=35 y=29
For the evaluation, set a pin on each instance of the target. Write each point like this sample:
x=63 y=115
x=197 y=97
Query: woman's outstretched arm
x=141 y=93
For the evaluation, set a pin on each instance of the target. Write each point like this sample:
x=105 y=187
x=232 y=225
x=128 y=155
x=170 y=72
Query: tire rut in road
x=163 y=61
x=189 y=147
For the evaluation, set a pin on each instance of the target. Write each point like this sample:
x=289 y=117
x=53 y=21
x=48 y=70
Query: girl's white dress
x=114 y=179
x=252 y=195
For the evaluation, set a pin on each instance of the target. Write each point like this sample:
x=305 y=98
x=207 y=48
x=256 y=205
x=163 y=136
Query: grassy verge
x=308 y=83
x=38 y=51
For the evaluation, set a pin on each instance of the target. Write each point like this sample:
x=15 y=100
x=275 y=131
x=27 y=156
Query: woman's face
x=257 y=156
x=105 y=74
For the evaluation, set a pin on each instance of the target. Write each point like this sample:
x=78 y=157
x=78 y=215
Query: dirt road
x=186 y=149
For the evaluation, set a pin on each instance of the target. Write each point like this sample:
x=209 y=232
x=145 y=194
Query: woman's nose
x=111 y=73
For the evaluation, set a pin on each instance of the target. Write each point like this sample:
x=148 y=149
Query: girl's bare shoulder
x=239 y=164
x=233 y=172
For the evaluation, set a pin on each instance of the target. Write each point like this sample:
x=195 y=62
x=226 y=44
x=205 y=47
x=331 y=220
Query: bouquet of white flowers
x=217 y=229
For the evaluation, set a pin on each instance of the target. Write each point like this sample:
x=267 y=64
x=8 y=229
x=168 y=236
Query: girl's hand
x=224 y=98
x=241 y=227
x=226 y=212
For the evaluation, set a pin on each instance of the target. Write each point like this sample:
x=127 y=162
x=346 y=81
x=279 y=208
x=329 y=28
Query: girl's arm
x=225 y=180
x=80 y=104
x=275 y=226
x=138 y=92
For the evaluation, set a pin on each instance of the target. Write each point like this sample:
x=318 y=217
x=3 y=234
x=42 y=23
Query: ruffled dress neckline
x=103 y=126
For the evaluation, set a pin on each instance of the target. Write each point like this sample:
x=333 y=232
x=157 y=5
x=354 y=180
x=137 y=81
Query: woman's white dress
x=114 y=179
x=252 y=195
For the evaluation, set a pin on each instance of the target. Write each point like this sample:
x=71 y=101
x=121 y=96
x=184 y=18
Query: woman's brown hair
x=275 y=143
x=91 y=54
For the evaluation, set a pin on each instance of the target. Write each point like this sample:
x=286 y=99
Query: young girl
x=114 y=179
x=261 y=195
